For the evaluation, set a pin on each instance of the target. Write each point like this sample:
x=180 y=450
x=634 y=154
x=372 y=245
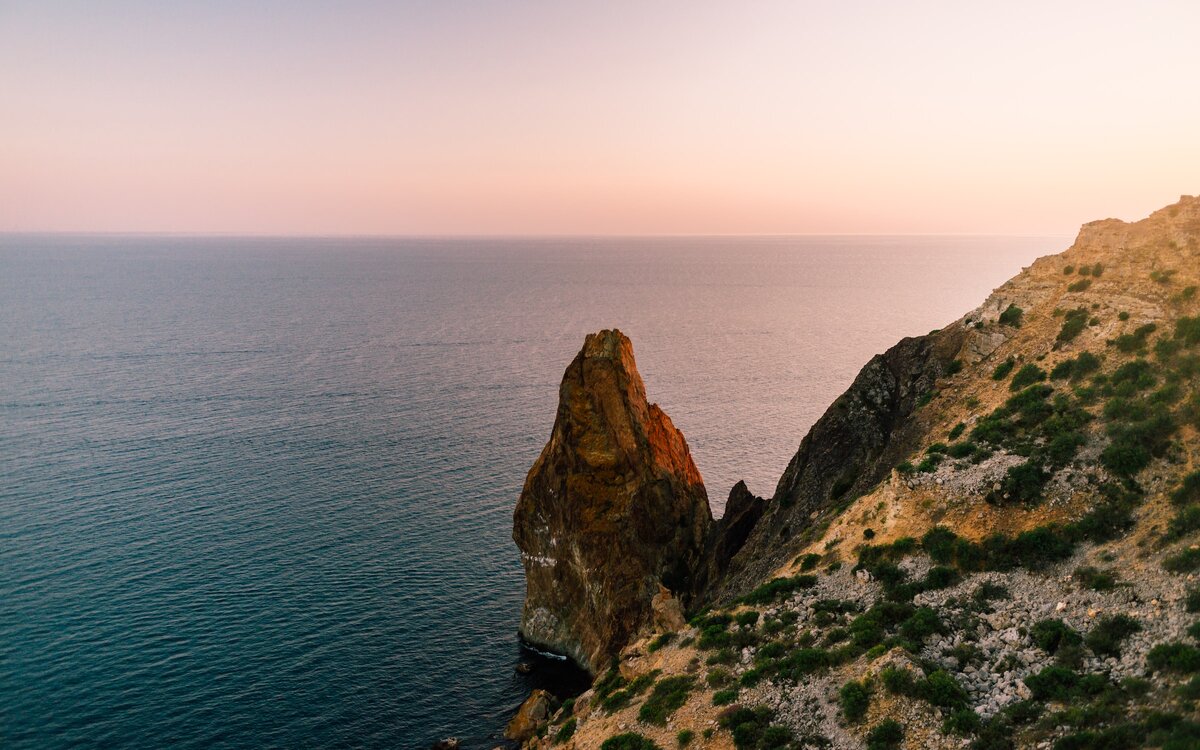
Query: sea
x=258 y=492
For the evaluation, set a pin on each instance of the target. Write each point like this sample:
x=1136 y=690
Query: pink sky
x=594 y=117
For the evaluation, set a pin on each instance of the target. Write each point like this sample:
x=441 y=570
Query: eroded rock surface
x=613 y=508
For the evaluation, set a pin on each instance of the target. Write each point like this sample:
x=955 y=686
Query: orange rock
x=612 y=509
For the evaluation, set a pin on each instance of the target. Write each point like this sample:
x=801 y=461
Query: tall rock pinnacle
x=612 y=509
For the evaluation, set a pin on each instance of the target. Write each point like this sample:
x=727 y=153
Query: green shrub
x=660 y=641
x=725 y=697
x=964 y=721
x=611 y=682
x=1188 y=330
x=855 y=699
x=1186 y=561
x=898 y=680
x=1074 y=323
x=1003 y=369
x=1022 y=483
x=1186 y=521
x=1094 y=578
x=1052 y=683
x=1162 y=276
x=938 y=542
x=957 y=430
x=684 y=738
x=1051 y=635
x=628 y=741
x=809 y=561
x=566 y=731
x=1174 y=657
x=1011 y=316
x=1027 y=375
x=1106 y=637
x=1189 y=490
x=1068 y=270
x=747 y=619
x=1080 y=286
x=1097 y=270
x=923 y=623
x=886 y=735
x=942 y=690
x=669 y=694
x=779 y=588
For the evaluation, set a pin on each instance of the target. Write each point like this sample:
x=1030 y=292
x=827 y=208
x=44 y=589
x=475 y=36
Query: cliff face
x=613 y=508
x=851 y=447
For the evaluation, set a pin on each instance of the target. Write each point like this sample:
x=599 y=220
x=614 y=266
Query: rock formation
x=613 y=508
x=851 y=447
x=991 y=540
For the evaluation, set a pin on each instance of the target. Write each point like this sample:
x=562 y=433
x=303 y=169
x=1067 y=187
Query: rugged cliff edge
x=990 y=541
x=613 y=509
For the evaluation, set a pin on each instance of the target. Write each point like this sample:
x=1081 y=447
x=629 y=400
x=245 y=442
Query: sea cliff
x=988 y=541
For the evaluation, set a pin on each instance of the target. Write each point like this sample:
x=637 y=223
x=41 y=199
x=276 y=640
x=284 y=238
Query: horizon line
x=502 y=236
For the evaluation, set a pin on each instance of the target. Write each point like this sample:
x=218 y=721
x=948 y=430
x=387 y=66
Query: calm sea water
x=258 y=492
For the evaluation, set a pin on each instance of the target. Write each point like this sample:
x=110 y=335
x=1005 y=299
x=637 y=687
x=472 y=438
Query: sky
x=604 y=117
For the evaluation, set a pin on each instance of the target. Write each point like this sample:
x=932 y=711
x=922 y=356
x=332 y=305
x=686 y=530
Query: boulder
x=531 y=714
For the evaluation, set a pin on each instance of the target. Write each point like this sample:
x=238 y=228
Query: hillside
x=989 y=541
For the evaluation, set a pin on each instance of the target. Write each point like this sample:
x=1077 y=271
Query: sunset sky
x=449 y=117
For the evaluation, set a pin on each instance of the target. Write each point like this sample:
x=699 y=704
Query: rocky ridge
x=990 y=541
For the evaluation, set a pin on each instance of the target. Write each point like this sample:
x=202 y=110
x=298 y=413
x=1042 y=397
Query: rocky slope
x=613 y=519
x=990 y=541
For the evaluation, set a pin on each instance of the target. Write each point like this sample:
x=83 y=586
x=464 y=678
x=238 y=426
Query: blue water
x=258 y=492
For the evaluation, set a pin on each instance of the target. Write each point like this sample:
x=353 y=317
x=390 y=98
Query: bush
x=1189 y=490
x=855 y=698
x=1011 y=316
x=1094 y=578
x=724 y=697
x=1188 y=330
x=964 y=721
x=1027 y=375
x=898 y=681
x=1183 y=562
x=1052 y=683
x=669 y=694
x=1076 y=320
x=1080 y=286
x=747 y=619
x=1051 y=635
x=566 y=731
x=628 y=741
x=809 y=561
x=1022 y=483
x=660 y=641
x=1174 y=657
x=1106 y=637
x=941 y=689
x=1185 y=522
x=886 y=735
x=779 y=588
x=938 y=542
x=923 y=623
x=685 y=737
x=1003 y=369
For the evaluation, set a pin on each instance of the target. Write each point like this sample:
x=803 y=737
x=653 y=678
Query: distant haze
x=449 y=117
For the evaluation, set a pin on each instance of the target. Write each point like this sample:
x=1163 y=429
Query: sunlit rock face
x=613 y=508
